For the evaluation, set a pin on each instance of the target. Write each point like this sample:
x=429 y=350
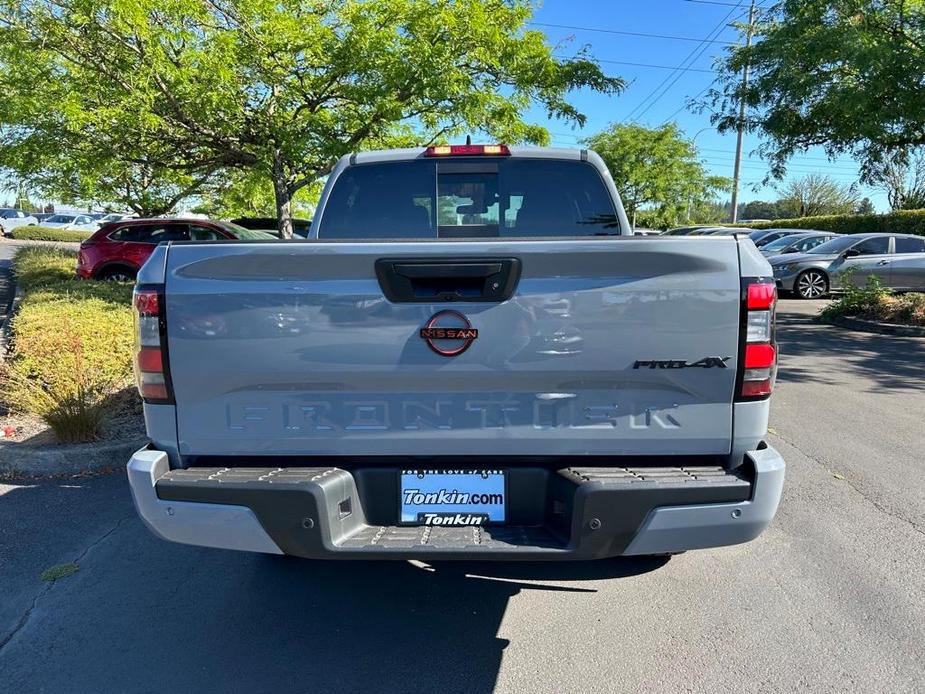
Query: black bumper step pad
x=573 y=512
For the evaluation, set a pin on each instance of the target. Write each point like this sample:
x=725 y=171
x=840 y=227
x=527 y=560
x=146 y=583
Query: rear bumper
x=572 y=513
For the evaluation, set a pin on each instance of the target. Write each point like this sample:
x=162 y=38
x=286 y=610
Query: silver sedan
x=898 y=260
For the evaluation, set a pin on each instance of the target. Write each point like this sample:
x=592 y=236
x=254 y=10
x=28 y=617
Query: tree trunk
x=283 y=194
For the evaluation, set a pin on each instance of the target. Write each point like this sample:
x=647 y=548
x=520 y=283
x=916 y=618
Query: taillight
x=758 y=349
x=467 y=150
x=151 y=374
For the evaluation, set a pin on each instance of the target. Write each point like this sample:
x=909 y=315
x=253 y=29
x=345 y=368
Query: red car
x=119 y=249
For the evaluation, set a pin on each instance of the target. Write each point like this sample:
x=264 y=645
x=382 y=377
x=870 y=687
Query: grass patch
x=875 y=302
x=38 y=233
x=60 y=571
x=72 y=344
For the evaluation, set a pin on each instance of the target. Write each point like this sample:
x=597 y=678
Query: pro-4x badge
x=705 y=363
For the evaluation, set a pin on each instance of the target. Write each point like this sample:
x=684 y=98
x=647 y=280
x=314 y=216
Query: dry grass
x=72 y=345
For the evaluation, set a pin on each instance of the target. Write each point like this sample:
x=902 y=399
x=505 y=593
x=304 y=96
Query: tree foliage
x=903 y=180
x=282 y=88
x=842 y=74
x=656 y=171
x=816 y=194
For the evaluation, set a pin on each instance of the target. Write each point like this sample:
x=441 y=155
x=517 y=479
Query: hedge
x=899 y=222
x=72 y=344
x=39 y=233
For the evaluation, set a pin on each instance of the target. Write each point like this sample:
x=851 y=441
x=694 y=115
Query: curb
x=41 y=461
x=871 y=326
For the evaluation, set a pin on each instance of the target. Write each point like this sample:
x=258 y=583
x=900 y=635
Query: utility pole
x=741 y=126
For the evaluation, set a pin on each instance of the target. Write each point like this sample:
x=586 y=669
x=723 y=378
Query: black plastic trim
x=458 y=280
x=571 y=513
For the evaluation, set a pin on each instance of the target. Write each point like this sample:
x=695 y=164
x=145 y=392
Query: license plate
x=452 y=497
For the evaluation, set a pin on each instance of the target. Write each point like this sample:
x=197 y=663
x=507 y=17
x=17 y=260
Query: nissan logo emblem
x=449 y=333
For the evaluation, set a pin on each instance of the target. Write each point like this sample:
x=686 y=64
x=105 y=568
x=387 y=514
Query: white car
x=112 y=217
x=11 y=218
x=71 y=222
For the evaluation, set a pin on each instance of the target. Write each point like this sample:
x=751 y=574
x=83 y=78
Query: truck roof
x=410 y=153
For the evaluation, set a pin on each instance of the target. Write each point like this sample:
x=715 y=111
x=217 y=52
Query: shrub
x=876 y=302
x=898 y=222
x=72 y=344
x=854 y=299
x=39 y=233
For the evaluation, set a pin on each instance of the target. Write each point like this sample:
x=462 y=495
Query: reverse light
x=467 y=150
x=151 y=376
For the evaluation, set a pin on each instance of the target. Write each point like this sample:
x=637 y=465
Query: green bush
x=876 y=302
x=899 y=222
x=72 y=344
x=39 y=233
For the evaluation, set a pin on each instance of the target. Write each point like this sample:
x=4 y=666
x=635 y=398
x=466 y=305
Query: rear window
x=907 y=245
x=468 y=198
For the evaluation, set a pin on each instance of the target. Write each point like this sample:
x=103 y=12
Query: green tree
x=902 y=179
x=283 y=88
x=656 y=171
x=249 y=193
x=865 y=206
x=816 y=194
x=758 y=209
x=844 y=75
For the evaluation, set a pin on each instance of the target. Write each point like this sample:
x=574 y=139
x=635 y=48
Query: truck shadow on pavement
x=828 y=354
x=395 y=626
x=146 y=615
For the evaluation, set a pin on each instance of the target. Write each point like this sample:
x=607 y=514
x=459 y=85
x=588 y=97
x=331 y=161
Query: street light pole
x=741 y=125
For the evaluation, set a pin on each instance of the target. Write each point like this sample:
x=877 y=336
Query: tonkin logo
x=449 y=333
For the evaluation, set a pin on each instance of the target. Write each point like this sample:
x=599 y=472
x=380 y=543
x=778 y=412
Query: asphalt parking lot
x=830 y=598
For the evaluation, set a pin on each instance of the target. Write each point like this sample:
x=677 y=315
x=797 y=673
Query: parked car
x=797 y=243
x=646 y=232
x=42 y=216
x=430 y=380
x=10 y=218
x=300 y=227
x=71 y=222
x=897 y=259
x=112 y=217
x=685 y=231
x=762 y=237
x=117 y=250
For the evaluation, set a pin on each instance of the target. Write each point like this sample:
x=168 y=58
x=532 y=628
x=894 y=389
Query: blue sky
x=644 y=100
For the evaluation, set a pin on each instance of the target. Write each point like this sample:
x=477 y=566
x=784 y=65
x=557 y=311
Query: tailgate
x=294 y=348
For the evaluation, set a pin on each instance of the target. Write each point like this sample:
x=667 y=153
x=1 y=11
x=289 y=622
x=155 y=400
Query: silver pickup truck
x=470 y=357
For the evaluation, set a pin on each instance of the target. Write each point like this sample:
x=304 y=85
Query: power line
x=802 y=157
x=705 y=89
x=661 y=67
x=698 y=50
x=714 y=2
x=626 y=33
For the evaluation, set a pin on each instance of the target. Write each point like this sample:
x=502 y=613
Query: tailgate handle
x=463 y=279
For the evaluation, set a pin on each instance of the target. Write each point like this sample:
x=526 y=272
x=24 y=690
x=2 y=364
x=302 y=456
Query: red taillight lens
x=149 y=360
x=150 y=363
x=758 y=351
x=756 y=389
x=761 y=296
x=760 y=356
x=467 y=150
x=146 y=302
